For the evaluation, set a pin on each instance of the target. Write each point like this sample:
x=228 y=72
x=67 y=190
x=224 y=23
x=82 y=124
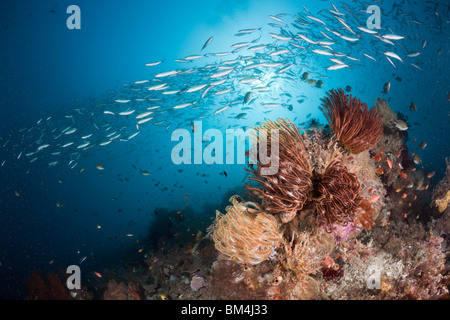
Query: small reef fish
x=409 y=185
x=389 y=163
x=377 y=158
x=82 y=260
x=194 y=248
x=417 y=159
x=374 y=198
x=240 y=115
x=247 y=97
x=412 y=107
x=400 y=125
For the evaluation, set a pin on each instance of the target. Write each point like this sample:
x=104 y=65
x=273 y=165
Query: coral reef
x=406 y=185
x=287 y=190
x=328 y=225
x=245 y=234
x=354 y=125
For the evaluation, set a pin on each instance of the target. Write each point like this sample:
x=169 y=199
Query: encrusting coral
x=356 y=127
x=245 y=234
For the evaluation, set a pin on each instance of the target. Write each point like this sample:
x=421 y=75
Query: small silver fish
x=247 y=97
x=207 y=43
x=386 y=87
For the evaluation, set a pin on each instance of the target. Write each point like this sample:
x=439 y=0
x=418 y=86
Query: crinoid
x=339 y=196
x=245 y=234
x=287 y=190
x=356 y=127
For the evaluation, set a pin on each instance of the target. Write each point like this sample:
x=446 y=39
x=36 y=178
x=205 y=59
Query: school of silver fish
x=224 y=84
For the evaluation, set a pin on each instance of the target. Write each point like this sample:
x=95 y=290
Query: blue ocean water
x=53 y=78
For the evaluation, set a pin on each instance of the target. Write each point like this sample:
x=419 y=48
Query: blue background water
x=48 y=70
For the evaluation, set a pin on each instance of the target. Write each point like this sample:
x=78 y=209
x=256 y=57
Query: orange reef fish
x=389 y=163
x=377 y=158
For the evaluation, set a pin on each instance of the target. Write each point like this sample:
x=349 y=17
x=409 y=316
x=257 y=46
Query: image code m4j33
x=225 y=149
